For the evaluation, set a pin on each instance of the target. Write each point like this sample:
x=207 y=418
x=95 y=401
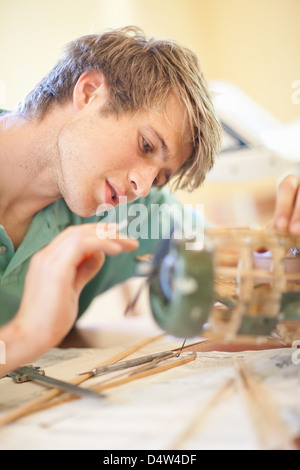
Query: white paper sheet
x=154 y=412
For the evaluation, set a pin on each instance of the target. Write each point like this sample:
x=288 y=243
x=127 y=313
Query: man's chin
x=82 y=210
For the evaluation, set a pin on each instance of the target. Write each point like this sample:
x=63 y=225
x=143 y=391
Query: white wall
x=254 y=43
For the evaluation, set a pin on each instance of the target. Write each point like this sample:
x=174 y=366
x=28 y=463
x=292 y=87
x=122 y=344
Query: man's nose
x=142 y=179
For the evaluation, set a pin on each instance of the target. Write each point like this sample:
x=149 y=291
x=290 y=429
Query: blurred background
x=249 y=44
x=249 y=51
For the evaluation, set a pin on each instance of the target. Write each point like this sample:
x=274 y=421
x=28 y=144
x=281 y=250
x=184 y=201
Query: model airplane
x=242 y=283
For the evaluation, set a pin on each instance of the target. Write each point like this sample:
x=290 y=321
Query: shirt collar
x=45 y=226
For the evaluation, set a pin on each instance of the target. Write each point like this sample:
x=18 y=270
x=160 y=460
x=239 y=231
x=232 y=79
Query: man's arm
x=56 y=276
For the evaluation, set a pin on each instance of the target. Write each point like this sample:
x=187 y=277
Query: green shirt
x=50 y=221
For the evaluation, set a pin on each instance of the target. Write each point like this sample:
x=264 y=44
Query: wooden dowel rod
x=271 y=429
x=199 y=418
x=40 y=403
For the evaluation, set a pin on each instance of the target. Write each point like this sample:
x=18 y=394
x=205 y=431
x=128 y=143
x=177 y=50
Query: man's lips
x=112 y=193
x=109 y=195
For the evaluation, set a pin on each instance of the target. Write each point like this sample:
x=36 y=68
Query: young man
x=117 y=116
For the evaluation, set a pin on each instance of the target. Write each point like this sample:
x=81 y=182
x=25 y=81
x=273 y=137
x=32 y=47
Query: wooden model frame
x=255 y=271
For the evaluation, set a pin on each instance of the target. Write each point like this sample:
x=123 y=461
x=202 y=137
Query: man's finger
x=285 y=203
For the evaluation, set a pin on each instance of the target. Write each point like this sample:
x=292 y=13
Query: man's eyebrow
x=166 y=152
x=166 y=155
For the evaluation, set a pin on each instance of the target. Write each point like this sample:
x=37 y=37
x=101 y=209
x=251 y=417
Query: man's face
x=102 y=159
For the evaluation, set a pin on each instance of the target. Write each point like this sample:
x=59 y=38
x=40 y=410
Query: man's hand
x=57 y=275
x=287 y=209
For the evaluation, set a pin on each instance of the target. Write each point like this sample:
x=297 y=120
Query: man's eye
x=159 y=182
x=156 y=183
x=147 y=146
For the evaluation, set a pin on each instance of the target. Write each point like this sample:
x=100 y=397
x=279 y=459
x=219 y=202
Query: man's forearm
x=16 y=348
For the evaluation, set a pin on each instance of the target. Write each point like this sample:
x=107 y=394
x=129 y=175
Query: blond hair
x=141 y=74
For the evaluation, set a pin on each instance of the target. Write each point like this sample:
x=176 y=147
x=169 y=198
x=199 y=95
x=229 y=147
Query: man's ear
x=89 y=85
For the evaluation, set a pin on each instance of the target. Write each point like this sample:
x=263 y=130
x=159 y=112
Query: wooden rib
x=41 y=402
x=199 y=418
x=272 y=430
x=253 y=273
x=239 y=232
